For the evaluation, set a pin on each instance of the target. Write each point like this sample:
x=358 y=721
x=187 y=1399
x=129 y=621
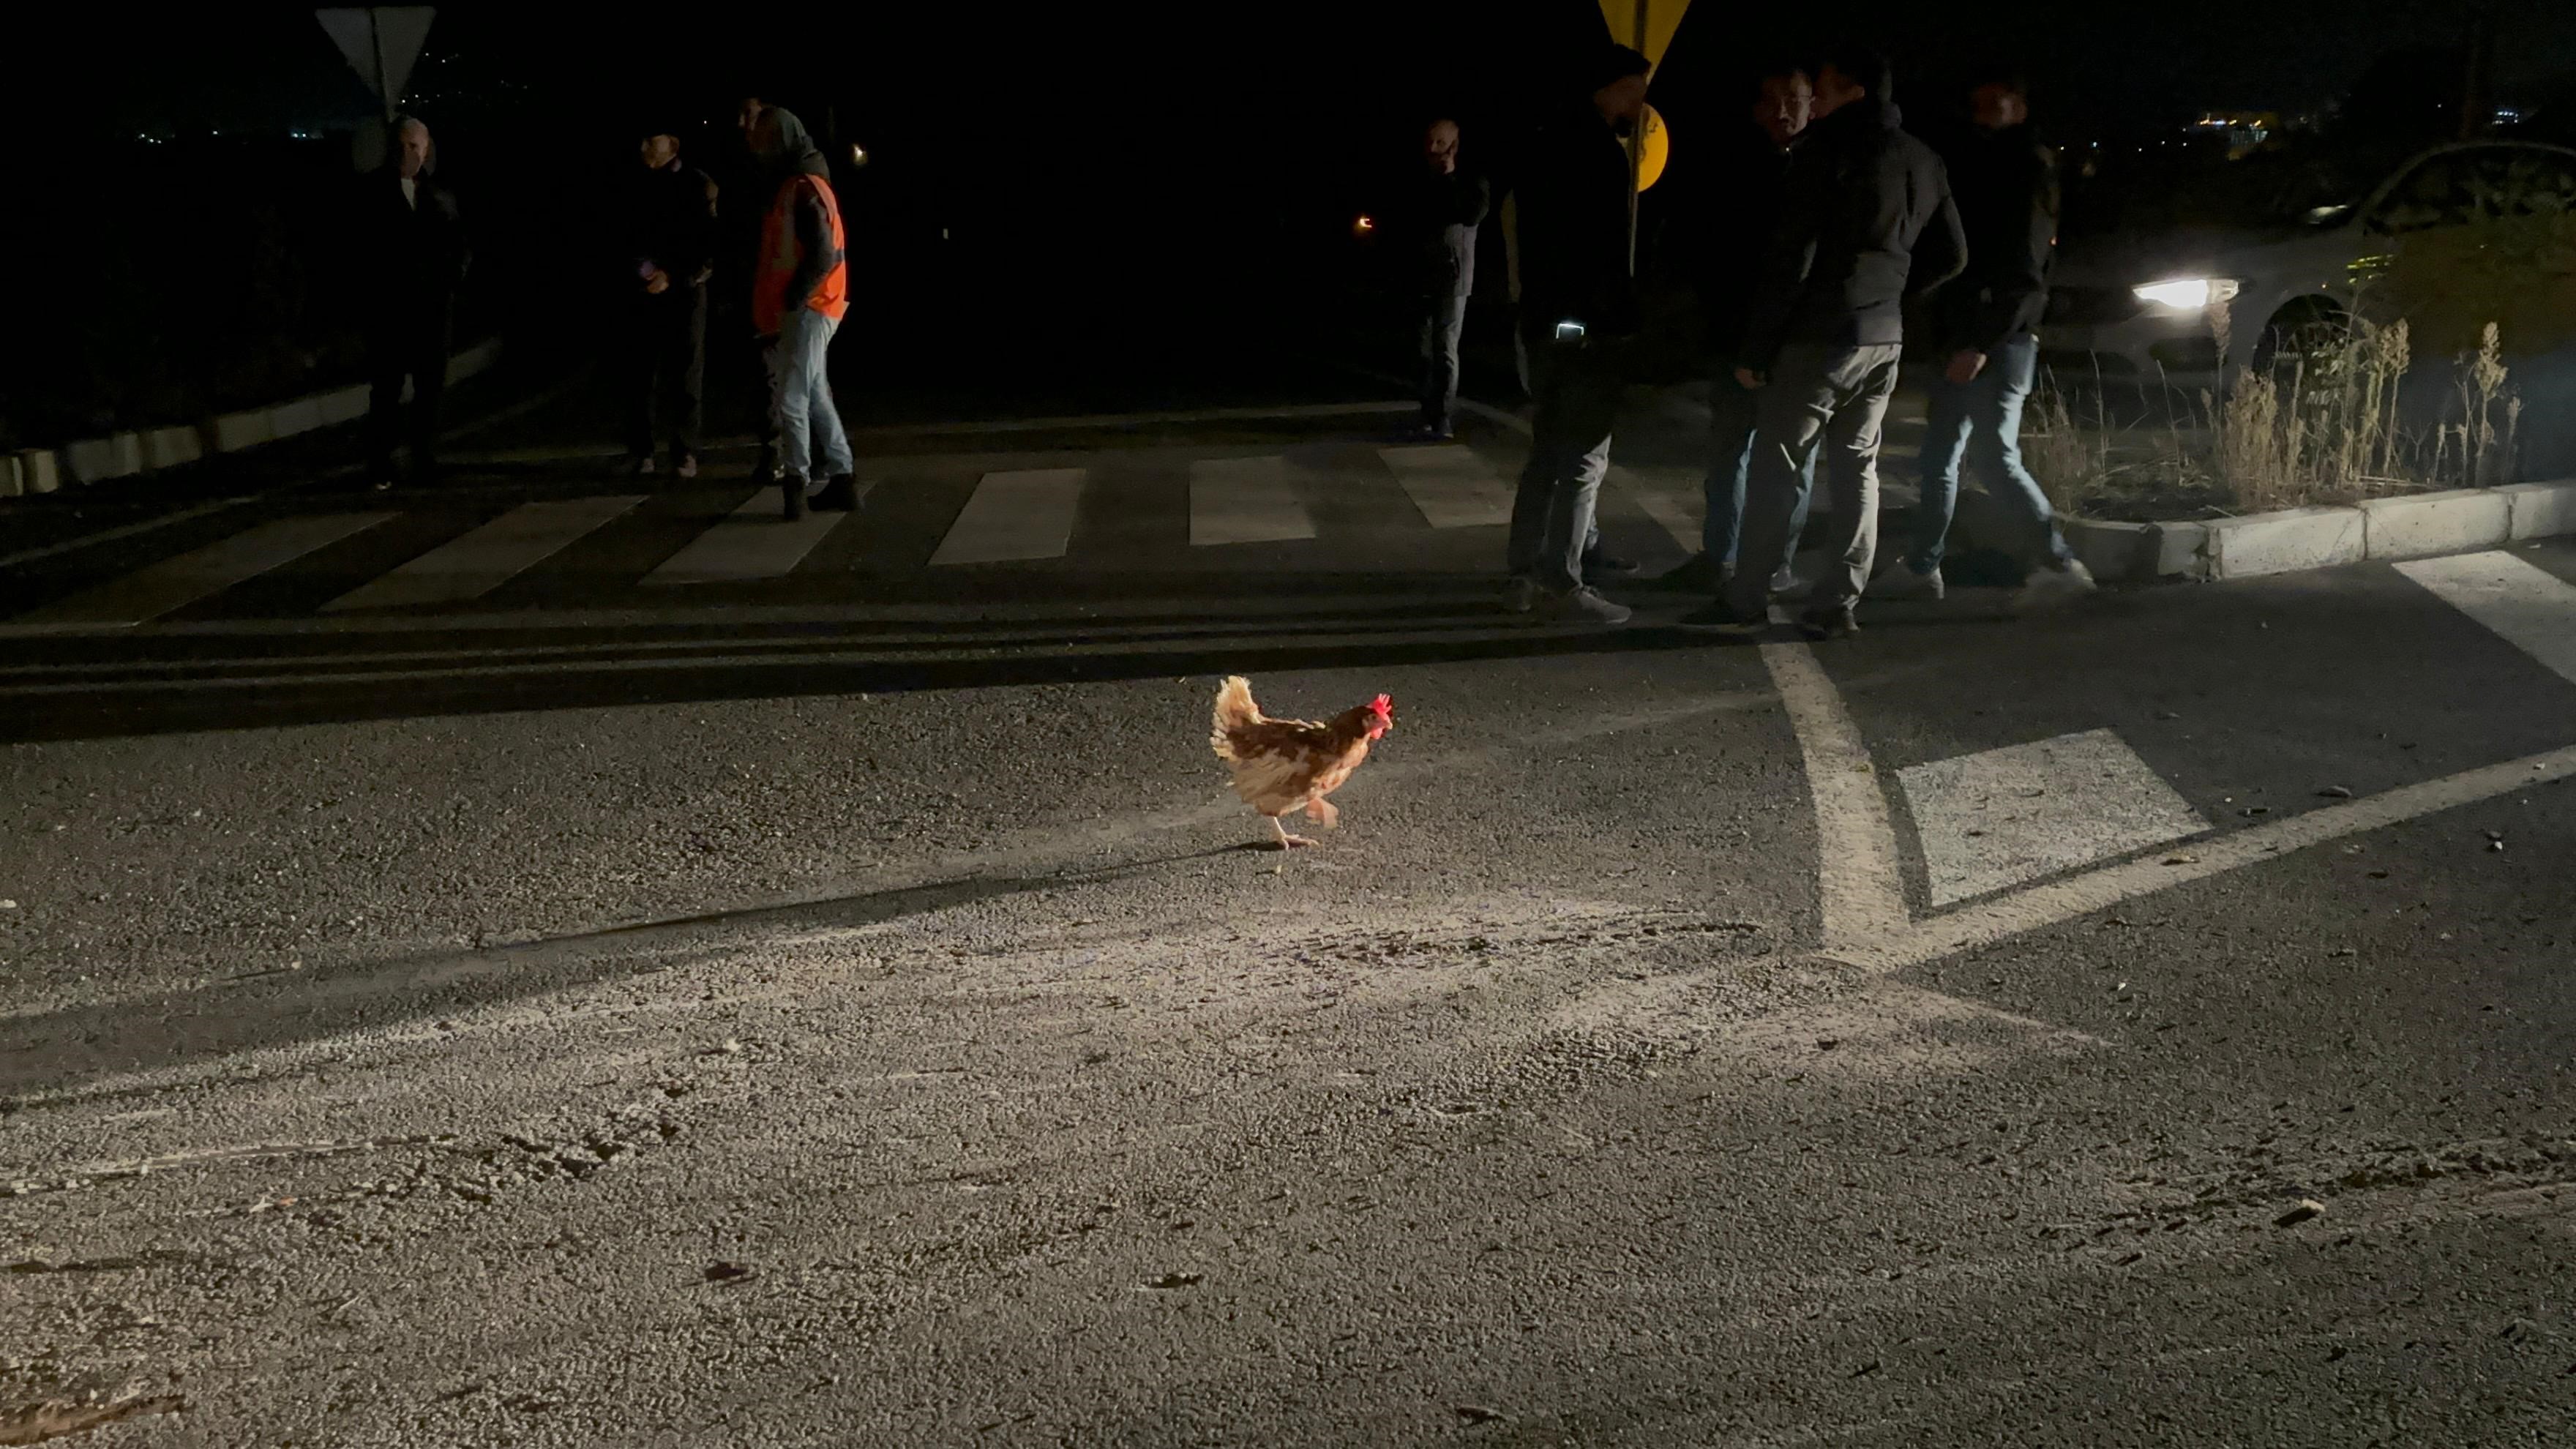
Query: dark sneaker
x=1720 y=617
x=1520 y=596
x=1586 y=606
x=1599 y=562
x=764 y=468
x=1839 y=622
x=1786 y=583
x=686 y=465
x=1904 y=581
x=841 y=495
x=1427 y=433
x=792 y=489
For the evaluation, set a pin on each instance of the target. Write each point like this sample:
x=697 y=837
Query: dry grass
x=2326 y=430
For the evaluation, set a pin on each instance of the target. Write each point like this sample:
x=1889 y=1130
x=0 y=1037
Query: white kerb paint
x=2001 y=818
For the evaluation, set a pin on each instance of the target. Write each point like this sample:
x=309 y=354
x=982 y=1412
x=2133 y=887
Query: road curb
x=2459 y=520
x=152 y=450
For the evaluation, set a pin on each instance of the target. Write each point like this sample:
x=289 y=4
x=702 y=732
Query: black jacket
x=671 y=221
x=416 y=248
x=1860 y=194
x=1571 y=205
x=1729 y=234
x=2007 y=190
x=1443 y=212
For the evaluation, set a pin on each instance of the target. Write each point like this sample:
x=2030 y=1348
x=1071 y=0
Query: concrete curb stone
x=2422 y=524
x=2459 y=520
x=2541 y=510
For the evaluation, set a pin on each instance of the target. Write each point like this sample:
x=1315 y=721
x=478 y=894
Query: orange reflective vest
x=781 y=254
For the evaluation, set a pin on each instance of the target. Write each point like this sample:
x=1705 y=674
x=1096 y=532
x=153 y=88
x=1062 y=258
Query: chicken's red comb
x=1383 y=707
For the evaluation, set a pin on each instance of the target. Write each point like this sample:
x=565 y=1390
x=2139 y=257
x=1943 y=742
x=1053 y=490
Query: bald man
x=416 y=258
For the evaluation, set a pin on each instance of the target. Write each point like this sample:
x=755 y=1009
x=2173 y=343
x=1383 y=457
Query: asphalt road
x=839 y=1006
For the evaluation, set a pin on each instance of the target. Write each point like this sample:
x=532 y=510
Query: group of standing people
x=798 y=284
x=1834 y=218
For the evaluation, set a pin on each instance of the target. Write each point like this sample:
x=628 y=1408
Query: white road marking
x=2002 y=818
x=1676 y=498
x=1026 y=514
x=1452 y=486
x=148 y=593
x=1130 y=420
x=2059 y=901
x=1245 y=500
x=1861 y=884
x=104 y=535
x=752 y=542
x=2532 y=608
x=475 y=564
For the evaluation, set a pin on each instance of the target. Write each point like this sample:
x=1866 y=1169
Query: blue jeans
x=800 y=398
x=1577 y=398
x=1983 y=418
x=1733 y=417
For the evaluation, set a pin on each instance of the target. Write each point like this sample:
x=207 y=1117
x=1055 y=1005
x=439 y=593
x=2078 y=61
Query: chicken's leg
x=1286 y=840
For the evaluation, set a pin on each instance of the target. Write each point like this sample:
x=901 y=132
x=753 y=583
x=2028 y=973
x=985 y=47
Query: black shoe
x=841 y=495
x=1599 y=561
x=764 y=469
x=793 y=488
x=1720 y=618
x=1839 y=622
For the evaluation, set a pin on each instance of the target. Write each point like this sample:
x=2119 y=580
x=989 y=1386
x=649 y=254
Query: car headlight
x=2187 y=294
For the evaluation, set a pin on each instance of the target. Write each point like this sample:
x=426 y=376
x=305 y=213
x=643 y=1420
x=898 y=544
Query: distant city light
x=858 y=154
x=2508 y=115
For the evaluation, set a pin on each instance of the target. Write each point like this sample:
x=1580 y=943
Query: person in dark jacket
x=1988 y=324
x=1577 y=305
x=1446 y=207
x=1826 y=332
x=1729 y=243
x=671 y=224
x=417 y=253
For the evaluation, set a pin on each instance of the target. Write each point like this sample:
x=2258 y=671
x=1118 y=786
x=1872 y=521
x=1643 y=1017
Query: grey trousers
x=1576 y=396
x=1828 y=398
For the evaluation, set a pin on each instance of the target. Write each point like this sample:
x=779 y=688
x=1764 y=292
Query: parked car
x=2141 y=305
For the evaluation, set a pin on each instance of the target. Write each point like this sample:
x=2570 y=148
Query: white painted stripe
x=753 y=542
x=2059 y=901
x=30 y=555
x=1018 y=515
x=176 y=583
x=474 y=565
x=2532 y=608
x=1245 y=500
x=1452 y=486
x=2002 y=818
x=1676 y=498
x=1130 y=420
x=1860 y=883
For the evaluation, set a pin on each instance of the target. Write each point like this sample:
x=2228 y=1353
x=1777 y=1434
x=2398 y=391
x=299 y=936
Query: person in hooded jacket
x=1826 y=333
x=1444 y=207
x=800 y=293
x=1989 y=347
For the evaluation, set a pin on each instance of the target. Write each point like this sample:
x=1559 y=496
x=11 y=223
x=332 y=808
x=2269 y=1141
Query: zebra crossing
x=1347 y=508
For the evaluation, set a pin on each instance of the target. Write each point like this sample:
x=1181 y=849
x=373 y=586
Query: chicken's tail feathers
x=1234 y=710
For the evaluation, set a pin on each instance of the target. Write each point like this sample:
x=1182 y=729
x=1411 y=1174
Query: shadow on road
x=56 y=1053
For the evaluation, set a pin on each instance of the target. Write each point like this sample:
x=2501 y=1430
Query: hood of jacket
x=796 y=153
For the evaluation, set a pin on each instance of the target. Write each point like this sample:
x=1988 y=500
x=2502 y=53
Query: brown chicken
x=1285 y=765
